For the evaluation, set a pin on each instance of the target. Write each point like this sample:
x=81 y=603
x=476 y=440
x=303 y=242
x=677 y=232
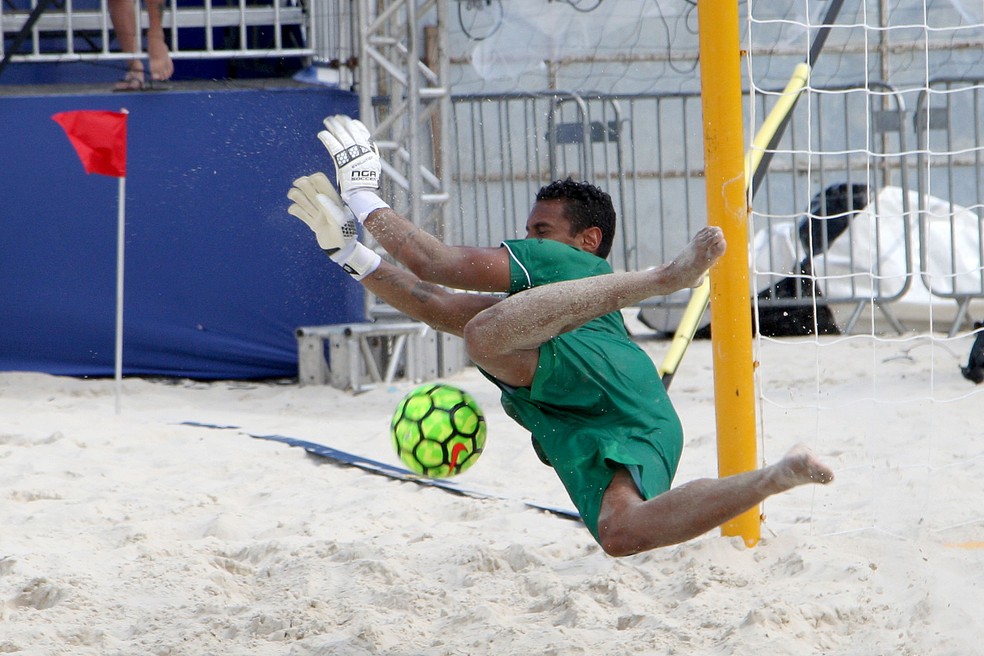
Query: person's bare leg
x=629 y=525
x=521 y=323
x=161 y=66
x=122 y=14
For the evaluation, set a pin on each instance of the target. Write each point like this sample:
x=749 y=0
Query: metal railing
x=81 y=30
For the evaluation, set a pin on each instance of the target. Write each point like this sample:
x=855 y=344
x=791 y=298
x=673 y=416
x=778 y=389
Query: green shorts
x=597 y=402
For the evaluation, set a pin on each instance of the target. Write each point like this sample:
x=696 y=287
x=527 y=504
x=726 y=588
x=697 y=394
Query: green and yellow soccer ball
x=438 y=430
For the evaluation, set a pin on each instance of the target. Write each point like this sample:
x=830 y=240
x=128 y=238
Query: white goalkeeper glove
x=357 y=165
x=316 y=203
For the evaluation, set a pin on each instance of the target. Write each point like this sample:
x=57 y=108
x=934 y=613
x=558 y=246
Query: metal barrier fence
x=842 y=146
x=647 y=152
x=506 y=146
x=950 y=166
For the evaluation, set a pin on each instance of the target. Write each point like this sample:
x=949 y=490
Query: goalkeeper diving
x=556 y=345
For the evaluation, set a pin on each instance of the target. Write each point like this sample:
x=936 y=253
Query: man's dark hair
x=587 y=206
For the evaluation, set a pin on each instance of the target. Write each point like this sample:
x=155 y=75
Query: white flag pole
x=120 y=239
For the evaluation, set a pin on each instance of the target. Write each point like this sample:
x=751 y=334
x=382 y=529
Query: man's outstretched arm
x=315 y=202
x=424 y=301
x=357 y=170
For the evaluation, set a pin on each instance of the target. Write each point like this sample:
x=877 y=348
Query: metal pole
x=731 y=328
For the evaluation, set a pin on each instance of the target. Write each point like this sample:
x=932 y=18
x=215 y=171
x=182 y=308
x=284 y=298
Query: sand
x=139 y=533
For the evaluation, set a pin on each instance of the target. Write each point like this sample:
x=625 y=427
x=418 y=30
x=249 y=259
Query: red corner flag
x=99 y=138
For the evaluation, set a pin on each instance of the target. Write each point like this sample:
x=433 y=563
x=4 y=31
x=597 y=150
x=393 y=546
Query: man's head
x=575 y=213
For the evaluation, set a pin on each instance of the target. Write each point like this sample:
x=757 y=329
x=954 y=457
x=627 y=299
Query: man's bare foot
x=798 y=467
x=689 y=267
x=161 y=66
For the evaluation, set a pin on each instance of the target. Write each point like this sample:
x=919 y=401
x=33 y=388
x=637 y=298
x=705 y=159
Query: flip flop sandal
x=132 y=81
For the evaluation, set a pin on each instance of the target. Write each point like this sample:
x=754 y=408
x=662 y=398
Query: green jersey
x=596 y=398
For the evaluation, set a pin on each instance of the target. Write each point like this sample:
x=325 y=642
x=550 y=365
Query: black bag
x=975 y=363
x=830 y=212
